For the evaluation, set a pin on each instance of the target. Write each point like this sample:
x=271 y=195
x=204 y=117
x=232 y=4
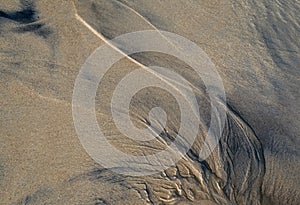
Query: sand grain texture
x=255 y=47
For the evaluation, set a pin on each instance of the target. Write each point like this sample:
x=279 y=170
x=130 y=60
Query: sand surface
x=255 y=48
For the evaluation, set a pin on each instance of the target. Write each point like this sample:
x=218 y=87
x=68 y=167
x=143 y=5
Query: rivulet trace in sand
x=255 y=48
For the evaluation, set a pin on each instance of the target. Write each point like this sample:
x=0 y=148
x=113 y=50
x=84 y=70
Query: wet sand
x=255 y=48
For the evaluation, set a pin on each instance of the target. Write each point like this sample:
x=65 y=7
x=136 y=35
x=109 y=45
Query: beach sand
x=255 y=49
